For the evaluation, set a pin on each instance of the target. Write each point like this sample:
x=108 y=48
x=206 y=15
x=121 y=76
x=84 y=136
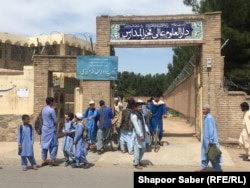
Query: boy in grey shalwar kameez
x=139 y=133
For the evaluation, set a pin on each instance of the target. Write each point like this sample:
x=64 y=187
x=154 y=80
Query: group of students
x=73 y=143
x=134 y=124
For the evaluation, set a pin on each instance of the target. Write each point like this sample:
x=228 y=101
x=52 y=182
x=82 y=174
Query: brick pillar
x=211 y=77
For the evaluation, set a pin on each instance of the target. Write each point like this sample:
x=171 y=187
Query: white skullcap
x=116 y=99
x=140 y=101
x=207 y=106
x=91 y=102
x=79 y=116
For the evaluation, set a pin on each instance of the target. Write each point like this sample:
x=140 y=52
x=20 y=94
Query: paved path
x=181 y=152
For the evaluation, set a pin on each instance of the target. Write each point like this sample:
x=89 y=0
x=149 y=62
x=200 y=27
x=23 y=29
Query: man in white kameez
x=244 y=139
x=139 y=133
x=49 y=140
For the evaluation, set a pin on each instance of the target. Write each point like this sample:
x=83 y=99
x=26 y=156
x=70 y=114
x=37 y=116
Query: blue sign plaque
x=96 y=67
x=156 y=31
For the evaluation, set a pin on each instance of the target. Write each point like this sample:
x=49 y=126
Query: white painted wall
x=20 y=99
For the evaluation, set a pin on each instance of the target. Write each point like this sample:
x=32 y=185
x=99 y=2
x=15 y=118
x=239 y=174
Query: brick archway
x=115 y=31
x=129 y=31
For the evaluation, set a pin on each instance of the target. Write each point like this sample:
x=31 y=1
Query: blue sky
x=36 y=17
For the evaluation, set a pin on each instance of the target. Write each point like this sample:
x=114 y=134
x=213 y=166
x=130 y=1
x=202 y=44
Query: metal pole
x=208 y=89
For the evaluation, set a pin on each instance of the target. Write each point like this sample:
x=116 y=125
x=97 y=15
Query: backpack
x=147 y=117
x=39 y=124
x=126 y=122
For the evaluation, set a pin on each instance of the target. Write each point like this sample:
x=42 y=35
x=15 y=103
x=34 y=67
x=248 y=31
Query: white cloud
x=33 y=17
x=36 y=17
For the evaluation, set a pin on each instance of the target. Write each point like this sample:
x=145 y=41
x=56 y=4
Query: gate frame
x=96 y=90
x=207 y=87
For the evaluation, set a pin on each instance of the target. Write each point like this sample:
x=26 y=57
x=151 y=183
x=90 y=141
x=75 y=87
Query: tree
x=236 y=28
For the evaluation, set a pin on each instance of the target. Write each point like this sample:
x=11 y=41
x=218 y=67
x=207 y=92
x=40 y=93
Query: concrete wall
x=8 y=127
x=16 y=101
x=20 y=99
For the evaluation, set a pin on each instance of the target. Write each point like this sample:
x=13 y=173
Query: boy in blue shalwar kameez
x=25 y=139
x=91 y=115
x=80 y=145
x=68 y=139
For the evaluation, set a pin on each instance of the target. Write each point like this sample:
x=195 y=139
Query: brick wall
x=182 y=99
x=228 y=115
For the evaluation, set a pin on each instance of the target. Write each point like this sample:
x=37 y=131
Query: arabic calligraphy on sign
x=97 y=67
x=156 y=31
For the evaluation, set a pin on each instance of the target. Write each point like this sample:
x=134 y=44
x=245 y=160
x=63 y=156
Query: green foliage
x=131 y=84
x=235 y=27
x=182 y=55
x=173 y=113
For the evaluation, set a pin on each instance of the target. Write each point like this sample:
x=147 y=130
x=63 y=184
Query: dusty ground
x=181 y=152
x=178 y=130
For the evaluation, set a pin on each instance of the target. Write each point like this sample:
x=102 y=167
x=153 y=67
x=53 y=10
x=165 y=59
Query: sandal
x=25 y=168
x=200 y=170
x=160 y=143
x=53 y=163
x=75 y=166
x=141 y=164
x=138 y=166
x=44 y=163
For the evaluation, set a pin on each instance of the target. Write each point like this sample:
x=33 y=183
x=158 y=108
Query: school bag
x=39 y=124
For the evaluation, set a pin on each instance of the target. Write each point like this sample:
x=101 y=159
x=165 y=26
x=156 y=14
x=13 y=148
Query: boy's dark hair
x=49 y=100
x=25 y=116
x=244 y=106
x=157 y=95
x=101 y=103
x=131 y=102
x=71 y=115
x=138 y=104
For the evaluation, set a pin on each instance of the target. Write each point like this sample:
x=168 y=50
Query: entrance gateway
x=203 y=30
